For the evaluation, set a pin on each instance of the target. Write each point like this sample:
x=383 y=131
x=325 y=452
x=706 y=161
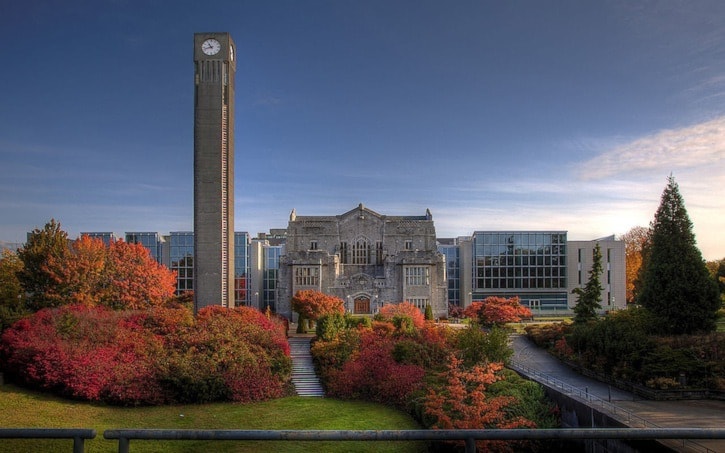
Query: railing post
x=78 y=445
x=470 y=445
x=123 y=445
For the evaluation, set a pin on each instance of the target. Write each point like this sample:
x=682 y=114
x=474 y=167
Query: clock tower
x=214 y=71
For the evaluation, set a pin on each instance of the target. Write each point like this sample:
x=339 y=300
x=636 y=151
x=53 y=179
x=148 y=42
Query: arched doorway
x=361 y=305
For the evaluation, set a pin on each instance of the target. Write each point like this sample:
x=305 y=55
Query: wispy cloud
x=699 y=145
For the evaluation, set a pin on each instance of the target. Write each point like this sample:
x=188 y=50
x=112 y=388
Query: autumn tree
x=79 y=275
x=12 y=296
x=311 y=305
x=135 y=280
x=676 y=286
x=634 y=243
x=49 y=243
x=497 y=311
x=464 y=404
x=57 y=272
x=589 y=298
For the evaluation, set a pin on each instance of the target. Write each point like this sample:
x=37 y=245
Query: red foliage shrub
x=390 y=311
x=383 y=328
x=497 y=311
x=372 y=374
x=562 y=348
x=150 y=357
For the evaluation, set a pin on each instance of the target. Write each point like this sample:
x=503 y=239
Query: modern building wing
x=541 y=268
x=181 y=259
x=151 y=240
x=613 y=278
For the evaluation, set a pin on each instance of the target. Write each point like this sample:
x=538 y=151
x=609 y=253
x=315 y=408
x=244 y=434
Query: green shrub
x=329 y=326
x=403 y=324
x=476 y=346
x=530 y=403
x=332 y=355
x=662 y=383
x=428 y=312
x=353 y=322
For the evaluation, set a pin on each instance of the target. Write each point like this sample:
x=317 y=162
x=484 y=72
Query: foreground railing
x=78 y=435
x=469 y=436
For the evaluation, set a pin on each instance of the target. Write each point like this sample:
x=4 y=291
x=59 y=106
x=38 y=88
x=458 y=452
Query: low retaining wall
x=578 y=414
x=649 y=393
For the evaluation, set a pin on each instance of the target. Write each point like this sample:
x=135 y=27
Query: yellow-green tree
x=12 y=296
x=36 y=278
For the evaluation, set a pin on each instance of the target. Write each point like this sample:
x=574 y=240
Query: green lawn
x=20 y=408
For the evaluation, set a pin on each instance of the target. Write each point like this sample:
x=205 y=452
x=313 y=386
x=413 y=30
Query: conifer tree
x=589 y=297
x=428 y=313
x=676 y=287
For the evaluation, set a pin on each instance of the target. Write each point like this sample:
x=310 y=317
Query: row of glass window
x=520 y=283
x=360 y=252
x=419 y=302
x=417 y=275
x=307 y=276
x=541 y=271
x=498 y=250
x=525 y=239
x=539 y=260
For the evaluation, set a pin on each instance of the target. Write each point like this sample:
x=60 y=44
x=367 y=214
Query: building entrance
x=362 y=305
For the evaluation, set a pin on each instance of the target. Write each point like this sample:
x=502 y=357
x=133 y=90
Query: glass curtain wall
x=531 y=265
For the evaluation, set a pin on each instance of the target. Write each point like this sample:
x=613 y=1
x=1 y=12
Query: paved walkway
x=304 y=377
x=663 y=414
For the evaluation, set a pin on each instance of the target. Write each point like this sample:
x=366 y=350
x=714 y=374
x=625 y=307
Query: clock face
x=211 y=46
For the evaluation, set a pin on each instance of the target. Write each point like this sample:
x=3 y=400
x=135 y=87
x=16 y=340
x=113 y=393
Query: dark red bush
x=374 y=375
x=149 y=357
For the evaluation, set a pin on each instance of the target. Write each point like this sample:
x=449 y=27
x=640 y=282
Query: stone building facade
x=366 y=259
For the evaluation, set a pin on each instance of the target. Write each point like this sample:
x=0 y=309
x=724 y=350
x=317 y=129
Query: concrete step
x=304 y=377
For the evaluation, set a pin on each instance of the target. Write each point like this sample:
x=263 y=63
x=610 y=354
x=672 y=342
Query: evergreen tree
x=35 y=277
x=428 y=313
x=589 y=297
x=676 y=287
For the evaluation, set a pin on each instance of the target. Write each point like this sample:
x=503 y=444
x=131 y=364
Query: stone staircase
x=304 y=378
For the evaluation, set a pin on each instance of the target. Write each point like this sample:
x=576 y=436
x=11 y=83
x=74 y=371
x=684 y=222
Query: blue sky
x=523 y=115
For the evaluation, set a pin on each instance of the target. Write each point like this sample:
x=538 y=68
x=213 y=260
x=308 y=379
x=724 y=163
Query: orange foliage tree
x=136 y=280
x=463 y=404
x=634 y=242
x=390 y=311
x=495 y=311
x=121 y=276
x=312 y=304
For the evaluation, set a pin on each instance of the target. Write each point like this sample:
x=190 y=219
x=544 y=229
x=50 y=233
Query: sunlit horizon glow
x=494 y=116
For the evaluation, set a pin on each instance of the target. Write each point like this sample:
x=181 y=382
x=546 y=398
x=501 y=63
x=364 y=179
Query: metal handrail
x=584 y=394
x=79 y=435
x=469 y=436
